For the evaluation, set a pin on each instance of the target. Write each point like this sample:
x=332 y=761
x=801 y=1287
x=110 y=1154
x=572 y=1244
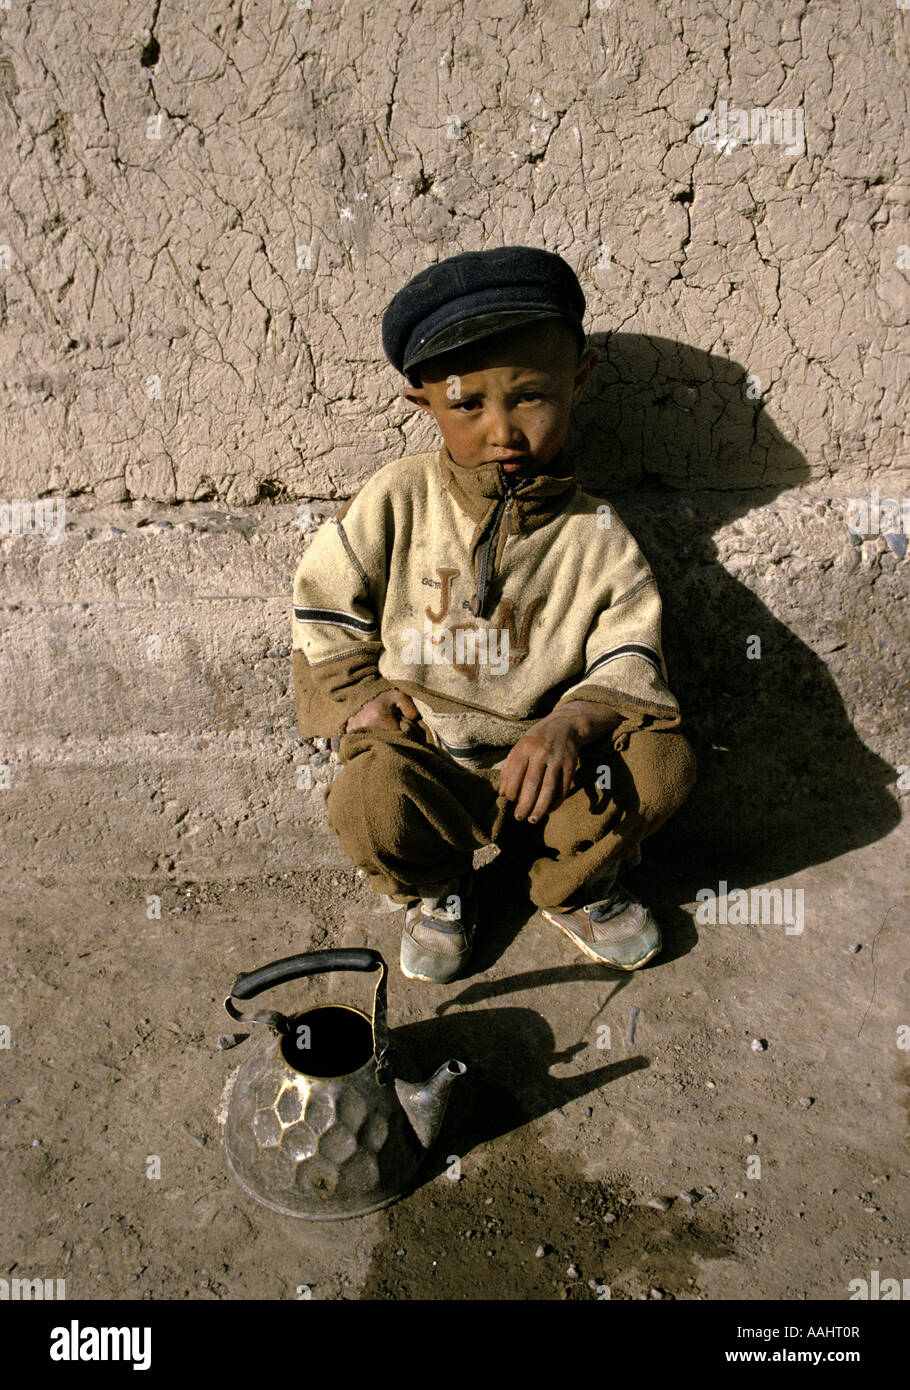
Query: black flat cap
x=474 y=294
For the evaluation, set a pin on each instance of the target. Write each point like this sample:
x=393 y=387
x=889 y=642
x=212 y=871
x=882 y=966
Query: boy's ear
x=417 y=396
x=583 y=371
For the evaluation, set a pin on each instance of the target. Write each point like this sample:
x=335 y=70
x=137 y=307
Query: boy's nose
x=503 y=431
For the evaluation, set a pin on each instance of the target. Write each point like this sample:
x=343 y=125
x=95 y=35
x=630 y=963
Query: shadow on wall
x=784 y=780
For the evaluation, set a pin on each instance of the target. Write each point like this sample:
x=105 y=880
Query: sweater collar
x=536 y=500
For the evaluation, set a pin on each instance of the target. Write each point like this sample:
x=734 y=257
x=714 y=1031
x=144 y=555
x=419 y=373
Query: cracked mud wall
x=204 y=215
x=207 y=212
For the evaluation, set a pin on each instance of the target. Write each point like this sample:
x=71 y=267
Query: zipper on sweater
x=487 y=548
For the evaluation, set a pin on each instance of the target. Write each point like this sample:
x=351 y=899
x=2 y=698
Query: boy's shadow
x=784 y=781
x=670 y=437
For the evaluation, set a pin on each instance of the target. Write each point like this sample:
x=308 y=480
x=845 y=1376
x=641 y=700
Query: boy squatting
x=486 y=650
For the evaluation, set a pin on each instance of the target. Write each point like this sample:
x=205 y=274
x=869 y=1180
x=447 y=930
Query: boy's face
x=508 y=398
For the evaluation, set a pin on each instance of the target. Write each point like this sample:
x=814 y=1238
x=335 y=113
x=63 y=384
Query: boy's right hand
x=380 y=713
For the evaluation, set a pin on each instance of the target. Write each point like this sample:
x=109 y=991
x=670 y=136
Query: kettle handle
x=280 y=972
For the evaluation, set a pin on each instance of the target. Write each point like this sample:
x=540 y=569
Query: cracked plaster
x=392 y=138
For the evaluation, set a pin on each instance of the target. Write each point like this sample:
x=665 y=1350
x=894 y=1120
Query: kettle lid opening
x=330 y=1041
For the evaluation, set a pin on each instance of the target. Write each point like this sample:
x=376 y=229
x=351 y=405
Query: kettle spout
x=425 y=1105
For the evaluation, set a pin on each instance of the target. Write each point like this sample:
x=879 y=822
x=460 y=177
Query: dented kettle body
x=327 y=1146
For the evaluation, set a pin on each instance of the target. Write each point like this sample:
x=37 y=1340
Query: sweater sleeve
x=624 y=666
x=336 y=630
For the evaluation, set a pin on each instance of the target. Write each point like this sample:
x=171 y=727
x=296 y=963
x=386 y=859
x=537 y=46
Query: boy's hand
x=539 y=770
x=380 y=712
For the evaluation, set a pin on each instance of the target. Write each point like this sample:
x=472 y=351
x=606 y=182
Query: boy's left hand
x=538 y=772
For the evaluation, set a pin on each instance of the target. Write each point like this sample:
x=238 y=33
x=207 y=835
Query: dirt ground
x=586 y=1173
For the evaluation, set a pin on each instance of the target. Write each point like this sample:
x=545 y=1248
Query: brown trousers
x=409 y=816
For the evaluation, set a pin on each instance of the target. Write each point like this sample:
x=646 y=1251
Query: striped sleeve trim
x=626 y=649
x=334 y=617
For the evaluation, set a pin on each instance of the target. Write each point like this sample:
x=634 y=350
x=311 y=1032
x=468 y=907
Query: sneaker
x=435 y=944
x=615 y=929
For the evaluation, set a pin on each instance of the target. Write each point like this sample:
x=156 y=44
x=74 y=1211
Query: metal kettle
x=317 y=1125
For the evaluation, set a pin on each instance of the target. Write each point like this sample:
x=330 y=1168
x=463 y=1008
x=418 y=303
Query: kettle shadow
x=509 y=1053
x=668 y=435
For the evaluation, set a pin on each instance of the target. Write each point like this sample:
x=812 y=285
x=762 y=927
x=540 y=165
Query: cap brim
x=471 y=330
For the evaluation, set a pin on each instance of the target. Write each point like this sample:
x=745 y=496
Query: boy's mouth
x=513 y=464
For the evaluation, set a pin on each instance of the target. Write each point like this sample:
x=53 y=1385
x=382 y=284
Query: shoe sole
x=430 y=979
x=588 y=950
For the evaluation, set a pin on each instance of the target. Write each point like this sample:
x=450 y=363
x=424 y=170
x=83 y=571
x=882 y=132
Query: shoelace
x=611 y=906
x=435 y=909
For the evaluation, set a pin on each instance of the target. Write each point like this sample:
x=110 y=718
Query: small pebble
x=759 y=1045
x=540 y=1252
x=855 y=949
x=229 y=1040
x=711 y=1085
x=806 y=1101
x=691 y=1196
x=572 y=1273
x=656 y=1293
x=14 y=1101
x=740 y=1196
x=609 y=1218
x=488 y=1201
x=399 y=1253
x=751 y=1138
x=659 y=1203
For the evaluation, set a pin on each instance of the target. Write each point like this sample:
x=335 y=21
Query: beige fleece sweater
x=488 y=600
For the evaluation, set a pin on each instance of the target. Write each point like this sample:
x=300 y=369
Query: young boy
x=484 y=636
